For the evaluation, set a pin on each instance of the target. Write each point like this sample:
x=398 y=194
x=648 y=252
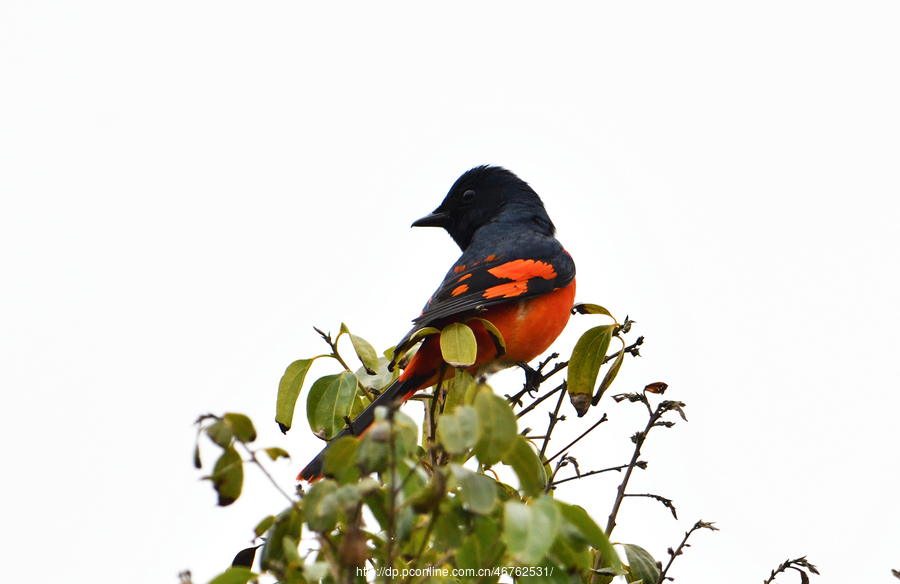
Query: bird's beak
x=435 y=219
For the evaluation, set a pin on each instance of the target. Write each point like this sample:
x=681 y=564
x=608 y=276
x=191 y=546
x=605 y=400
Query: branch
x=680 y=549
x=593 y=472
x=535 y=403
x=792 y=565
x=667 y=502
x=554 y=418
x=265 y=472
x=534 y=378
x=334 y=353
x=583 y=434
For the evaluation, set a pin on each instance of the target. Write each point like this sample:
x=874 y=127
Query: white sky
x=189 y=187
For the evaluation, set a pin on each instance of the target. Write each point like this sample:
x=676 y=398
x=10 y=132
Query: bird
x=513 y=272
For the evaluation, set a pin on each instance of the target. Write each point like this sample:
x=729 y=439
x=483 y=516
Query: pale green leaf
x=458 y=345
x=529 y=530
x=366 y=354
x=525 y=462
x=458 y=431
x=478 y=491
x=496 y=427
x=234 y=576
x=494 y=333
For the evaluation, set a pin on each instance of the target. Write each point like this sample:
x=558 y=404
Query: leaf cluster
x=403 y=504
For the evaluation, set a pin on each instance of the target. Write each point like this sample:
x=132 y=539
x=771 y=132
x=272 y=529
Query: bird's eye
x=468 y=196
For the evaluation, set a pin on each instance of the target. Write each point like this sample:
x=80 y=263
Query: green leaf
x=479 y=548
x=228 y=476
x=366 y=354
x=289 y=390
x=478 y=491
x=494 y=333
x=264 y=525
x=242 y=426
x=275 y=453
x=641 y=565
x=291 y=554
x=340 y=460
x=457 y=389
x=529 y=530
x=583 y=308
x=414 y=339
x=380 y=379
x=234 y=576
x=289 y=522
x=525 y=462
x=579 y=519
x=496 y=427
x=330 y=400
x=321 y=507
x=448 y=533
x=374 y=452
x=458 y=431
x=609 y=377
x=221 y=433
x=587 y=357
x=458 y=345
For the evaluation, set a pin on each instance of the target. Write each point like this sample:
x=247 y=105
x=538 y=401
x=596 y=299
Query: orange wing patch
x=523 y=270
x=459 y=269
x=459 y=290
x=507 y=290
x=464 y=277
x=490 y=258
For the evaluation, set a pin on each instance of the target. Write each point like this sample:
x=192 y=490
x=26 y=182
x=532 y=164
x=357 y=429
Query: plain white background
x=189 y=187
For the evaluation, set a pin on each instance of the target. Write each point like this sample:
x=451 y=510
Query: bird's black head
x=485 y=195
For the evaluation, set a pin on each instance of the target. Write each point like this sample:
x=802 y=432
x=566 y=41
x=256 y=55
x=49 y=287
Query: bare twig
x=337 y=356
x=583 y=434
x=638 y=439
x=593 y=472
x=792 y=565
x=562 y=462
x=554 y=418
x=534 y=404
x=666 y=502
x=533 y=384
x=265 y=472
x=680 y=549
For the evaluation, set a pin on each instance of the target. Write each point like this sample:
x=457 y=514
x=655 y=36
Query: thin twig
x=638 y=439
x=334 y=353
x=265 y=472
x=554 y=418
x=583 y=434
x=587 y=474
x=792 y=564
x=535 y=403
x=666 y=502
x=680 y=549
x=562 y=462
